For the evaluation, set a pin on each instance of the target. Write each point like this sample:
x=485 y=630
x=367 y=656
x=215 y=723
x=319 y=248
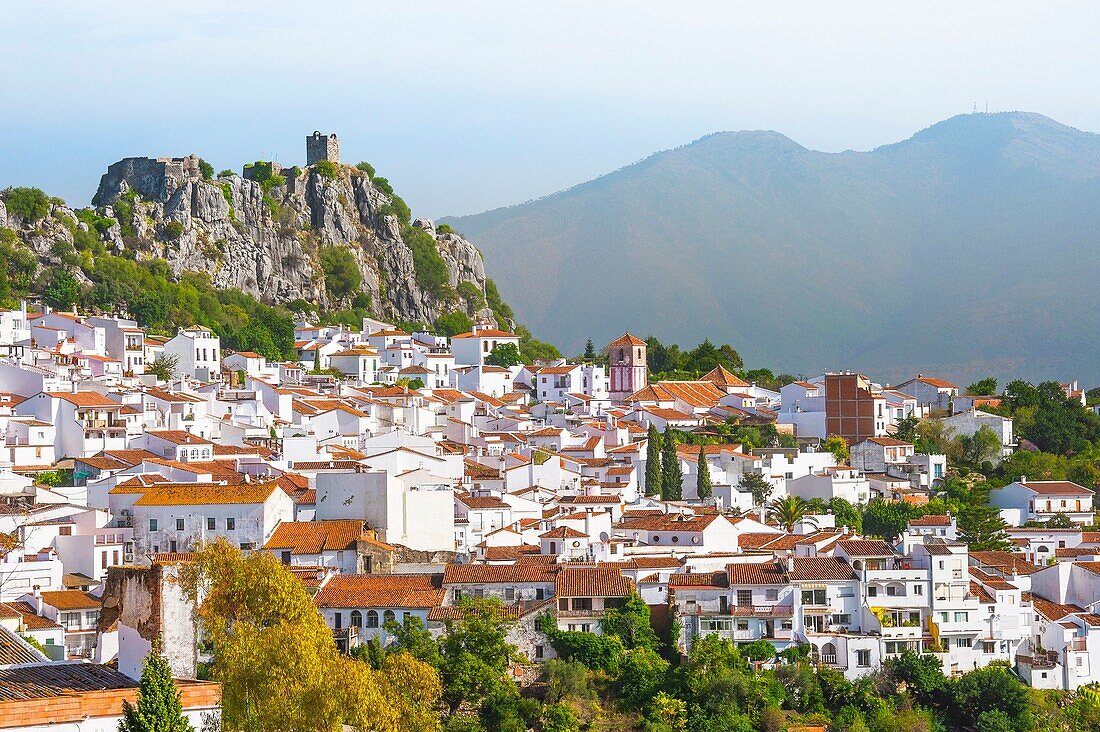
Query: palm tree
x=789 y=511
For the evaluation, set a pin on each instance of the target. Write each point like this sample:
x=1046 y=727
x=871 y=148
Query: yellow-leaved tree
x=277 y=661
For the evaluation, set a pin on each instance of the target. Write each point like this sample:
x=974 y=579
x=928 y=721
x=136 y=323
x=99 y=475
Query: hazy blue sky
x=472 y=105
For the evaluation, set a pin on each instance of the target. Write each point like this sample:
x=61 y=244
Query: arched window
x=388 y=616
x=372 y=618
x=356 y=619
x=828 y=650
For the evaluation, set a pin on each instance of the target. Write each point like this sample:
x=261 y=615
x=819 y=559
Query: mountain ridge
x=754 y=218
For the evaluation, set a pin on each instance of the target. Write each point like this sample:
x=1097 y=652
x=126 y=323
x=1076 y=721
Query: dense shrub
x=453 y=323
x=471 y=293
x=342 y=275
x=327 y=169
x=431 y=271
x=29 y=204
x=173 y=230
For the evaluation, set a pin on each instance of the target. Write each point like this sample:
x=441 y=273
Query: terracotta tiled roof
x=71 y=600
x=171 y=396
x=313 y=537
x=667 y=522
x=31 y=619
x=482 y=502
x=721 y=377
x=626 y=340
x=179 y=437
x=186 y=494
x=866 y=548
x=1056 y=488
x=381 y=590
x=497 y=573
x=888 y=441
x=563 y=532
x=487 y=333
x=699 y=579
x=504 y=553
x=769 y=573
x=694 y=393
x=1005 y=562
x=592 y=582
x=980 y=592
x=1049 y=609
x=931 y=521
x=938 y=383
x=820 y=568
x=130 y=457
x=84 y=398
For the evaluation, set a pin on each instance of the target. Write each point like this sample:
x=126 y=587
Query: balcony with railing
x=738 y=611
x=1036 y=657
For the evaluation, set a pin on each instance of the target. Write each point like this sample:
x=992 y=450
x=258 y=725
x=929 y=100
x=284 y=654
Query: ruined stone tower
x=322 y=147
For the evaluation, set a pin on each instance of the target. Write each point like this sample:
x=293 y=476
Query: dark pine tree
x=653 y=462
x=702 y=482
x=672 y=477
x=158 y=707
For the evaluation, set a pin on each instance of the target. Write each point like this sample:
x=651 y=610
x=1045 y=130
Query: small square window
x=179 y=524
x=231 y=524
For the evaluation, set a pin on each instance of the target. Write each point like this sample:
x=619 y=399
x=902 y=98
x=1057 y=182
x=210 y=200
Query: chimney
x=73 y=388
x=37 y=600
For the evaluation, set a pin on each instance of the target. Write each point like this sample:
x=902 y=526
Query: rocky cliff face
x=266 y=239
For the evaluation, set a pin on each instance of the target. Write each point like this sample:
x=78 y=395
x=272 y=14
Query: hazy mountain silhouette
x=969 y=248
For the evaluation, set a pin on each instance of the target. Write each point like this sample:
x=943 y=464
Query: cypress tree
x=672 y=478
x=589 y=351
x=158 y=706
x=702 y=483
x=653 y=462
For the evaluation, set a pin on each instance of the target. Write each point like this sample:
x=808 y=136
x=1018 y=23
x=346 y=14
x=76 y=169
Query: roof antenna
x=975 y=109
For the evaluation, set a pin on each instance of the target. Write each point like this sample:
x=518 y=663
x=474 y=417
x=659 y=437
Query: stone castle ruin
x=156 y=179
x=322 y=147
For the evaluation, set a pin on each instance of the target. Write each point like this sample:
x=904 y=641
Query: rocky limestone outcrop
x=267 y=240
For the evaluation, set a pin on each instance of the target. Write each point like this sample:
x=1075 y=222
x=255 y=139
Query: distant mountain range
x=971 y=248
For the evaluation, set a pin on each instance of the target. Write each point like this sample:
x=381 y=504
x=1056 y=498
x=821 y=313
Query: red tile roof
x=592 y=582
x=381 y=590
x=313 y=537
x=498 y=573
x=819 y=569
x=769 y=573
x=1056 y=488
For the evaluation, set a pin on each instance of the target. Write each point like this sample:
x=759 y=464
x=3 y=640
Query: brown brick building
x=853 y=409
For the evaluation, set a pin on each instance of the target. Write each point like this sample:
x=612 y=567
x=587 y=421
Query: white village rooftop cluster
x=524 y=483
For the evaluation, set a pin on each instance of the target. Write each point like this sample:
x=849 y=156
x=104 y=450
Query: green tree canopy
x=983 y=387
x=504 y=355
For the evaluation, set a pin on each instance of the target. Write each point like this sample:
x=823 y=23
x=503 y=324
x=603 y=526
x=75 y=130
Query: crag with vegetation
x=172 y=244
